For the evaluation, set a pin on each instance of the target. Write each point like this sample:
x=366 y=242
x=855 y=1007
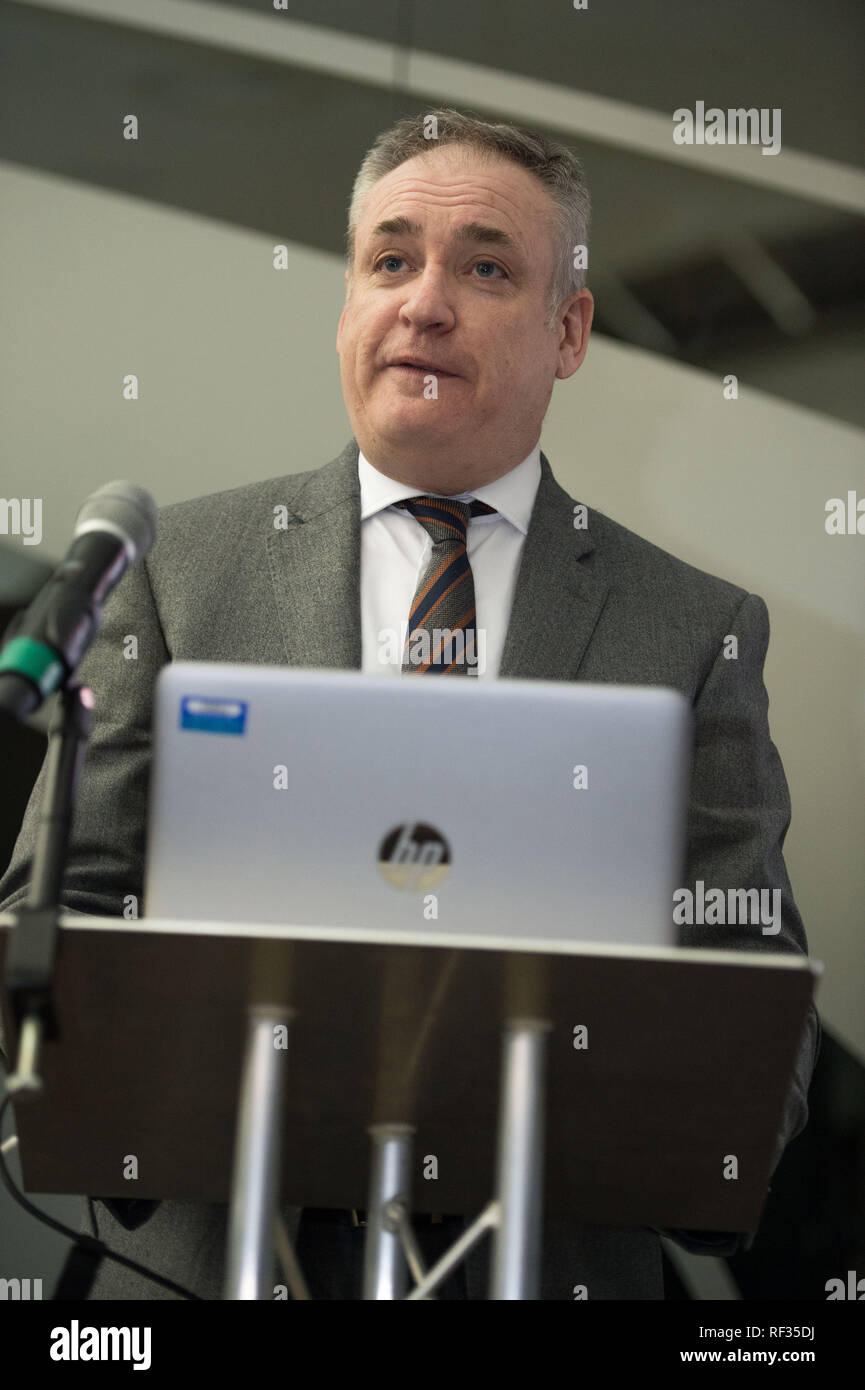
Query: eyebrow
x=469 y=231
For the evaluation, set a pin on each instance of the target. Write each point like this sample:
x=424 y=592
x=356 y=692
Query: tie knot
x=444 y=518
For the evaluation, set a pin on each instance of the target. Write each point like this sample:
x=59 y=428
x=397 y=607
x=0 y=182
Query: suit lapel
x=315 y=569
x=558 y=596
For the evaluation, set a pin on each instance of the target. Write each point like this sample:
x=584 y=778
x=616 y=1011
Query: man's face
x=453 y=259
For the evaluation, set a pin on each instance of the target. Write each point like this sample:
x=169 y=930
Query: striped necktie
x=442 y=636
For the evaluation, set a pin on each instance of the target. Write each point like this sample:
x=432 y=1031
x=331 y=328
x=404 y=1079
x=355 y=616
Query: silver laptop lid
x=335 y=798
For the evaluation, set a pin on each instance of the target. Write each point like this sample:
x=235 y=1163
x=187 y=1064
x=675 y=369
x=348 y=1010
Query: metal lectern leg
x=255 y=1175
x=519 y=1161
x=384 y=1265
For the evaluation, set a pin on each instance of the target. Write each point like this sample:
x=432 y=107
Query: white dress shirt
x=395 y=550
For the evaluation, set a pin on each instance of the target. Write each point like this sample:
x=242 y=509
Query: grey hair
x=555 y=166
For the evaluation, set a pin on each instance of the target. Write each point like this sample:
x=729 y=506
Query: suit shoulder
x=197 y=513
x=638 y=561
x=235 y=514
x=234 y=520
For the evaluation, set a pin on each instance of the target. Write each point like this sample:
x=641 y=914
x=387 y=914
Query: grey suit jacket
x=223 y=582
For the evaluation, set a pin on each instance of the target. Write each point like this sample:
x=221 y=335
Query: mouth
x=411 y=365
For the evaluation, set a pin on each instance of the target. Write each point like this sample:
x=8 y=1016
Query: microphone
x=44 y=643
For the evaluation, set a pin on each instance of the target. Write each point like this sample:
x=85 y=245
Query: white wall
x=739 y=488
x=239 y=380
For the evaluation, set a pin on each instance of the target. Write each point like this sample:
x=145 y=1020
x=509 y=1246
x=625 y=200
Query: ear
x=576 y=323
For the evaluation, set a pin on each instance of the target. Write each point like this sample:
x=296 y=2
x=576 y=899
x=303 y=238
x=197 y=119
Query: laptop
x=419 y=806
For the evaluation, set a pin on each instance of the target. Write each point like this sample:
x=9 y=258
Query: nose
x=428 y=302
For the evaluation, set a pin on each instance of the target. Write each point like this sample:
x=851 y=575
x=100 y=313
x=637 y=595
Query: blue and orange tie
x=444 y=604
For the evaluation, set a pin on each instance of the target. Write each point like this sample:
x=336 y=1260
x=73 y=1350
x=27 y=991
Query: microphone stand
x=32 y=944
x=43 y=647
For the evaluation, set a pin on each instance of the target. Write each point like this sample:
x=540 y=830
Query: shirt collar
x=513 y=495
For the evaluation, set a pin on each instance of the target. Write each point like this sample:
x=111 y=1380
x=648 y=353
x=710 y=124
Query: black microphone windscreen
x=122 y=507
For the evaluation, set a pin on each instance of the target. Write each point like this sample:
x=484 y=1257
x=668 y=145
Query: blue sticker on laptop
x=211 y=715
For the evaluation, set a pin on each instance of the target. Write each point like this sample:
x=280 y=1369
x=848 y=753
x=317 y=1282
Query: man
x=462 y=309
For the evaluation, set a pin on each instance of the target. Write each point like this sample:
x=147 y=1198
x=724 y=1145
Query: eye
x=378 y=266
x=391 y=256
x=494 y=265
